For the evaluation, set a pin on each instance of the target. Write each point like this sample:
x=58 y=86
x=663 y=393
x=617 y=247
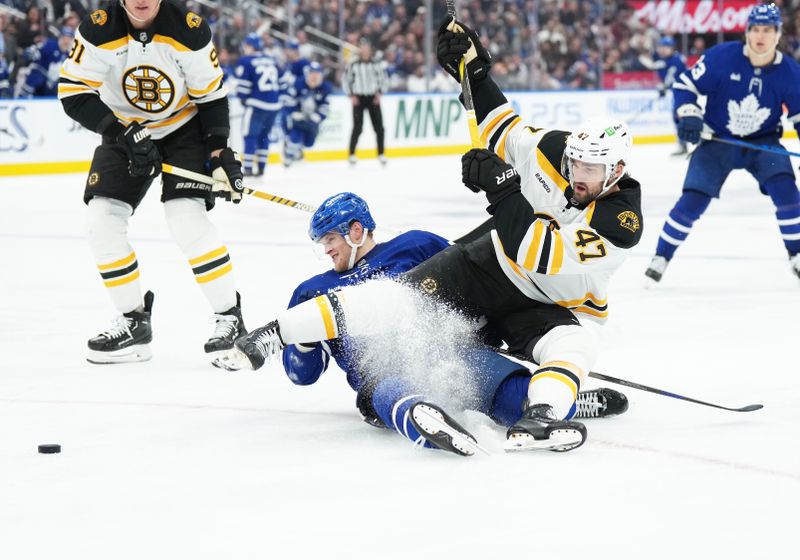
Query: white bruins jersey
x=154 y=77
x=563 y=254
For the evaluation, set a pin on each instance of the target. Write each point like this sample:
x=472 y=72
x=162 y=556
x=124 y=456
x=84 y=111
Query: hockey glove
x=483 y=170
x=690 y=123
x=144 y=159
x=226 y=169
x=456 y=41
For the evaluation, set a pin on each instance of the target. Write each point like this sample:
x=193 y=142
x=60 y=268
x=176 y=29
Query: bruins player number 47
x=144 y=74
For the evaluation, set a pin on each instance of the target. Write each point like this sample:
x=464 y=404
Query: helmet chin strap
x=133 y=17
x=354 y=248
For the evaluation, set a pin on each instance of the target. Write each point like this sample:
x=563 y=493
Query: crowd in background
x=537 y=44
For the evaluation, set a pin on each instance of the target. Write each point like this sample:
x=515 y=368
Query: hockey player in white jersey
x=566 y=214
x=145 y=75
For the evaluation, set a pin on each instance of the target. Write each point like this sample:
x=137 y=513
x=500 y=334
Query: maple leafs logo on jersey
x=746 y=117
x=193 y=20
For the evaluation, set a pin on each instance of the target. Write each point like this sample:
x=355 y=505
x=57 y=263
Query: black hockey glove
x=144 y=159
x=483 y=170
x=226 y=169
x=452 y=45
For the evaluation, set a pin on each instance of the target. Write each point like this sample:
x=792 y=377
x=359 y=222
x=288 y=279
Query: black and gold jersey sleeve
x=551 y=146
x=105 y=25
x=185 y=27
x=618 y=216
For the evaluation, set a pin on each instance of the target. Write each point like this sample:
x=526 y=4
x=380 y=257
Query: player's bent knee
x=107 y=225
x=568 y=343
x=188 y=221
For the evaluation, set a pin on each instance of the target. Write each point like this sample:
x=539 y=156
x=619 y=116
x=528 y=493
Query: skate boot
x=382 y=159
x=127 y=340
x=229 y=327
x=794 y=262
x=540 y=429
x=600 y=403
x=352 y=159
x=436 y=426
x=656 y=268
x=681 y=150
x=252 y=350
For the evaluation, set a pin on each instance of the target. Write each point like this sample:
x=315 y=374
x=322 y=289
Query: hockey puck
x=49 y=448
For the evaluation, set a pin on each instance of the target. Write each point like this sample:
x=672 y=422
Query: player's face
x=664 y=51
x=144 y=10
x=587 y=180
x=762 y=39
x=336 y=247
x=314 y=79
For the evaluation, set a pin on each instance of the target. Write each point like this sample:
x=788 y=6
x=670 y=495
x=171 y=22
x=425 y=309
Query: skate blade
x=232 y=360
x=559 y=440
x=432 y=422
x=138 y=353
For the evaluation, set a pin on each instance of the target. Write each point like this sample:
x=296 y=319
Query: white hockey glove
x=226 y=169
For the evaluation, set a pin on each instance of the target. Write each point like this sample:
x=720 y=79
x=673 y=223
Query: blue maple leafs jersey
x=258 y=82
x=741 y=100
x=668 y=69
x=385 y=260
x=312 y=103
x=5 y=82
x=46 y=59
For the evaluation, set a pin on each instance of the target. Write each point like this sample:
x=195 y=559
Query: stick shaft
x=466 y=91
x=634 y=385
x=760 y=147
x=201 y=178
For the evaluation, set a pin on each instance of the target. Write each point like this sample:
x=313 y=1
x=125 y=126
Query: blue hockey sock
x=786 y=198
x=687 y=210
x=392 y=400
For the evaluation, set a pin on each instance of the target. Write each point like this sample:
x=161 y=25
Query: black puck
x=49 y=448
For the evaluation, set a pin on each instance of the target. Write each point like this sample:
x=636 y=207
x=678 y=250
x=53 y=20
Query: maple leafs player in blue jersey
x=46 y=59
x=5 y=80
x=258 y=85
x=668 y=63
x=344 y=226
x=306 y=105
x=746 y=87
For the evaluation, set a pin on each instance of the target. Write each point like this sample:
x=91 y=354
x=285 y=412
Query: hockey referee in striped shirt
x=364 y=81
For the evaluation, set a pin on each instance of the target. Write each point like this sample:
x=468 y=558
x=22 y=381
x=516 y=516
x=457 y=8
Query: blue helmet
x=765 y=14
x=313 y=67
x=254 y=40
x=337 y=213
x=666 y=41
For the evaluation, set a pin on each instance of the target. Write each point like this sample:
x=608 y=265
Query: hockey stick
x=466 y=90
x=643 y=109
x=200 y=178
x=633 y=385
x=743 y=144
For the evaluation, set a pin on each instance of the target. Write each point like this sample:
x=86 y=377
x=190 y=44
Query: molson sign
x=693 y=16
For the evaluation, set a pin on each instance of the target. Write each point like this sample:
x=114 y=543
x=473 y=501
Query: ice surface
x=175 y=459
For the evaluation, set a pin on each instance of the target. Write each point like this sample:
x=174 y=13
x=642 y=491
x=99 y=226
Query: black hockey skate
x=127 y=340
x=230 y=326
x=540 y=429
x=253 y=349
x=600 y=403
x=436 y=426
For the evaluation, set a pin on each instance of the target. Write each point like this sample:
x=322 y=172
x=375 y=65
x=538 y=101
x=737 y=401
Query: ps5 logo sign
x=13 y=136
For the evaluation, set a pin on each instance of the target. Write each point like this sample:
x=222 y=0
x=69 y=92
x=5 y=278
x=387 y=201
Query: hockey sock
x=262 y=155
x=509 y=398
x=198 y=239
x=107 y=232
x=392 y=400
x=784 y=194
x=687 y=210
x=565 y=353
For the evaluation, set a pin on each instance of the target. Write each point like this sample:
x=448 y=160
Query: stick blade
x=750 y=408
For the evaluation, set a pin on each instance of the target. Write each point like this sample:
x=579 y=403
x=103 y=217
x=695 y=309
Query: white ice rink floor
x=175 y=459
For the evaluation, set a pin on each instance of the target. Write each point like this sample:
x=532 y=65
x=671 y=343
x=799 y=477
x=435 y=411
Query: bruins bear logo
x=94 y=178
x=193 y=20
x=99 y=17
x=148 y=88
x=629 y=220
x=429 y=285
